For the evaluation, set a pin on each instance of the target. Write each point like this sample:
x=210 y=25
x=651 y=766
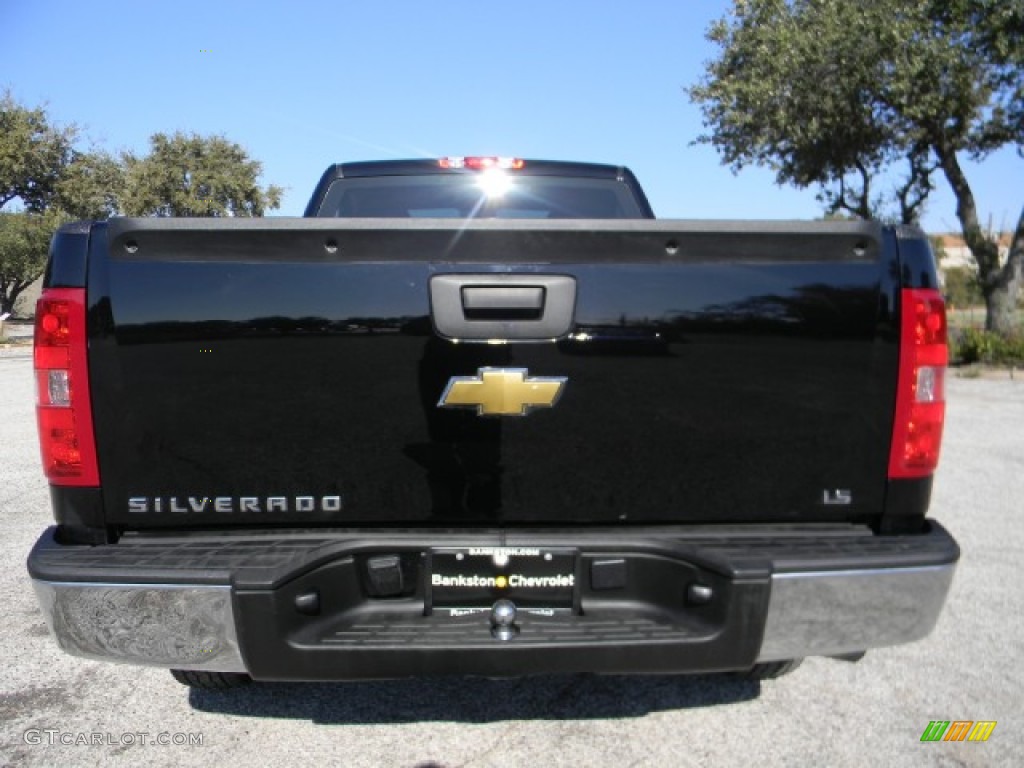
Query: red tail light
x=921 y=393
x=483 y=163
x=63 y=406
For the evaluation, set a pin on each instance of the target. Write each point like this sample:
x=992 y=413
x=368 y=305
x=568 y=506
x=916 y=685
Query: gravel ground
x=827 y=713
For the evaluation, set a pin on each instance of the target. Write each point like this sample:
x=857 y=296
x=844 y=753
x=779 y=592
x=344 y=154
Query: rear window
x=480 y=195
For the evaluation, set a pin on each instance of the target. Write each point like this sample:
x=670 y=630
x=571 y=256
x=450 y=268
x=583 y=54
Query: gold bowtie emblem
x=502 y=392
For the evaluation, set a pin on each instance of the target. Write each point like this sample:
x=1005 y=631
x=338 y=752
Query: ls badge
x=502 y=392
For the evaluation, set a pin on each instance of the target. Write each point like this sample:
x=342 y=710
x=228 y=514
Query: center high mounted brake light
x=63 y=405
x=921 y=391
x=482 y=163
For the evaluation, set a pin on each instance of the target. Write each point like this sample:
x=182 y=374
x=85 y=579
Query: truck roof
x=433 y=165
x=425 y=166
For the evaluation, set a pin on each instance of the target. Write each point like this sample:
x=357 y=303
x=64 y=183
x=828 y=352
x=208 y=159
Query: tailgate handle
x=502 y=306
x=502 y=302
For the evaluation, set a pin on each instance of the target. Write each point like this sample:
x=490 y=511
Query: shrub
x=972 y=345
x=962 y=288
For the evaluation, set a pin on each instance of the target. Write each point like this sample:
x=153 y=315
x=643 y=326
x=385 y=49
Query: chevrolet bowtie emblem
x=502 y=392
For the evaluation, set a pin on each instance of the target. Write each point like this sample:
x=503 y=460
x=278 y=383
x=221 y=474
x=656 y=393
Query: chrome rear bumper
x=832 y=613
x=177 y=626
x=232 y=606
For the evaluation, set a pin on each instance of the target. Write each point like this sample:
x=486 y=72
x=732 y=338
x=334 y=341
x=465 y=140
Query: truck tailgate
x=289 y=372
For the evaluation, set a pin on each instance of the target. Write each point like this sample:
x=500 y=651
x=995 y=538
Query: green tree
x=192 y=175
x=48 y=181
x=839 y=94
x=33 y=155
x=24 y=242
x=91 y=186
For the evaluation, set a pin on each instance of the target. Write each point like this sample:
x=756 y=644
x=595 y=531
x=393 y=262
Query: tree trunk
x=9 y=297
x=1002 y=314
x=1001 y=310
x=1000 y=285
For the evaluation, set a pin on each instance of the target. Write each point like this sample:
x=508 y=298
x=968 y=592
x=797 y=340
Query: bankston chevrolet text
x=487 y=416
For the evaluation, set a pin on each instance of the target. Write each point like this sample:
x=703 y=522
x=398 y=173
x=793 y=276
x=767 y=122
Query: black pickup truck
x=486 y=416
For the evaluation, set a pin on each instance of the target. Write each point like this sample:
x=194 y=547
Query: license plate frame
x=472 y=579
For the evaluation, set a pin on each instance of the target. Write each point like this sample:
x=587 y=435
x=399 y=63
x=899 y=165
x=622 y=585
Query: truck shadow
x=477 y=700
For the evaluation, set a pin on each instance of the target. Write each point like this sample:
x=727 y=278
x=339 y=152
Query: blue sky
x=304 y=84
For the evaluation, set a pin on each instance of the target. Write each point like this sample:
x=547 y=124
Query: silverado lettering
x=230 y=504
x=557 y=434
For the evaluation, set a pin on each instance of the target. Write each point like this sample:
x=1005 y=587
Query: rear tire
x=772 y=669
x=210 y=681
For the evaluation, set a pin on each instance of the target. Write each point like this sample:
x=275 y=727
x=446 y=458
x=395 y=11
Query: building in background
x=955 y=254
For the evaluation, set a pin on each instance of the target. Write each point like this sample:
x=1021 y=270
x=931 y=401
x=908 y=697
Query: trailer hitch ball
x=503 y=620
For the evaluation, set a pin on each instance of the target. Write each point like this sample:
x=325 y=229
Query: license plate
x=477 y=577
